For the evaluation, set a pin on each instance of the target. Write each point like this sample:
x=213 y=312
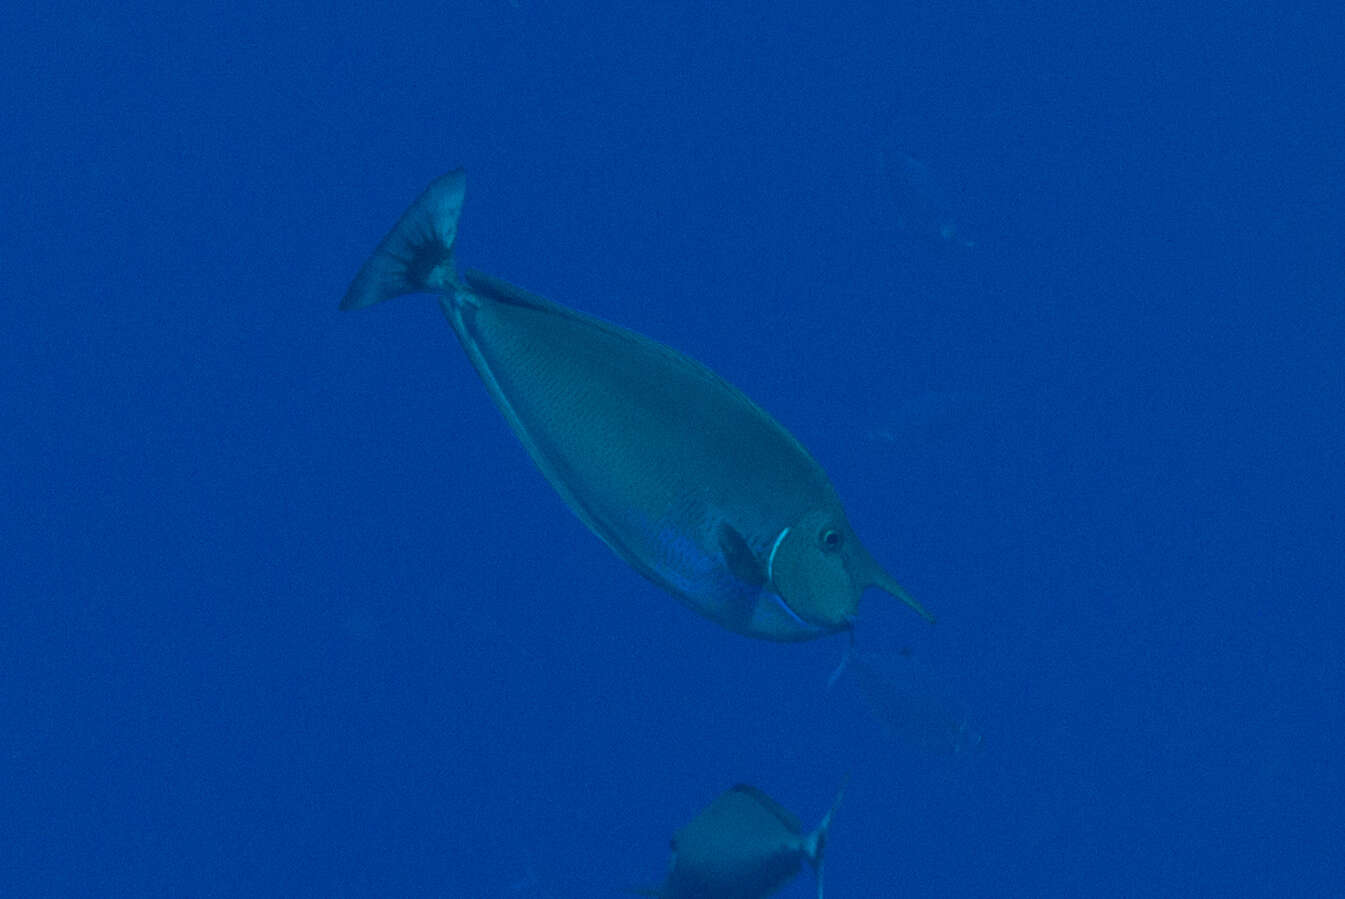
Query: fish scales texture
x=635 y=421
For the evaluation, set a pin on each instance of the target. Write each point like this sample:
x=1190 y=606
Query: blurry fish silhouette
x=908 y=703
x=920 y=201
x=683 y=476
x=744 y=845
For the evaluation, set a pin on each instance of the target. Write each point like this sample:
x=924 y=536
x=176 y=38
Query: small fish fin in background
x=910 y=703
x=815 y=845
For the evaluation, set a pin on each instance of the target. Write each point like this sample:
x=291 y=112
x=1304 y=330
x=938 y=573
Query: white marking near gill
x=770 y=560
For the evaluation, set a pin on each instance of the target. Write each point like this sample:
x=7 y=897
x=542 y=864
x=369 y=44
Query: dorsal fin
x=785 y=816
x=499 y=289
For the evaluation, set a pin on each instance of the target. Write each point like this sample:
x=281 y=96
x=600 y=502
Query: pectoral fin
x=739 y=558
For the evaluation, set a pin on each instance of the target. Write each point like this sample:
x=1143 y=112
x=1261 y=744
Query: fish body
x=682 y=475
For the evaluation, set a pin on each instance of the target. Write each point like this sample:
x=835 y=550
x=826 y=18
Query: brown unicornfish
x=674 y=468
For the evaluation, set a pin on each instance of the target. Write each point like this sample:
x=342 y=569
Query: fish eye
x=830 y=538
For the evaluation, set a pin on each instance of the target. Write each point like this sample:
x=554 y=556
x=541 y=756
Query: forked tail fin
x=416 y=256
x=815 y=844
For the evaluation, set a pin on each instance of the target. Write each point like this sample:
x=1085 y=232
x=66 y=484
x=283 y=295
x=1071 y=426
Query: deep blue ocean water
x=1055 y=294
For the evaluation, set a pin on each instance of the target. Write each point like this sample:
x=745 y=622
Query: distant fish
x=683 y=476
x=910 y=704
x=921 y=204
x=744 y=845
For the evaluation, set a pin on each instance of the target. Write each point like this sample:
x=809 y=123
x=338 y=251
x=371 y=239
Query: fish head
x=811 y=567
x=819 y=569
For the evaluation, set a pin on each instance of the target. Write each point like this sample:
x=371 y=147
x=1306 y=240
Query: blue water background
x=286 y=610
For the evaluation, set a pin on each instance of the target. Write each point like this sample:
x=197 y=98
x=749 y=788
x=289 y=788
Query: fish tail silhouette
x=416 y=256
x=816 y=845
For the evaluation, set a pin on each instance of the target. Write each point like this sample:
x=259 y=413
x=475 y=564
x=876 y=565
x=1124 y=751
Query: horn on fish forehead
x=879 y=578
x=884 y=581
